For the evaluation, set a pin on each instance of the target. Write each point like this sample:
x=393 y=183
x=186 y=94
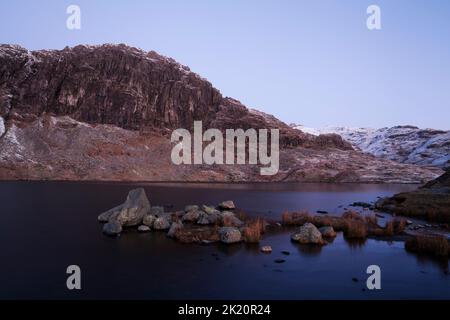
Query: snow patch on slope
x=406 y=144
x=11 y=148
x=2 y=126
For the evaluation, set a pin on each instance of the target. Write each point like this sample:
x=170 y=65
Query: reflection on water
x=355 y=243
x=48 y=226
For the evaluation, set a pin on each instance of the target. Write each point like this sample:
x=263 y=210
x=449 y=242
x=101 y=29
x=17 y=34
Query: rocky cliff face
x=106 y=113
x=125 y=87
x=406 y=144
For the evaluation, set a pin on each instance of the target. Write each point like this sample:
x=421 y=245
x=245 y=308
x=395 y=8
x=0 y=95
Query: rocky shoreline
x=227 y=224
x=431 y=201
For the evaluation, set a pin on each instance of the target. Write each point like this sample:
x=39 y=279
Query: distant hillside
x=405 y=144
x=106 y=112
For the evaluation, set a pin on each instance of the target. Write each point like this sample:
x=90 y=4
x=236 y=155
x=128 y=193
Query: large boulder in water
x=131 y=212
x=230 y=235
x=308 y=234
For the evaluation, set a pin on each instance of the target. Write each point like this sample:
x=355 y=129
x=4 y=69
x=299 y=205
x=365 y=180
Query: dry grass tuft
x=252 y=232
x=295 y=218
x=434 y=245
x=355 y=229
x=372 y=220
x=352 y=215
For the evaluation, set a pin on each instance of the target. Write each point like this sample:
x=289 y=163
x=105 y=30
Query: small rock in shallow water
x=355 y=279
x=192 y=215
x=308 y=234
x=227 y=205
x=279 y=261
x=327 y=232
x=203 y=219
x=322 y=211
x=143 y=228
x=149 y=220
x=112 y=228
x=191 y=207
x=161 y=224
x=286 y=253
x=266 y=249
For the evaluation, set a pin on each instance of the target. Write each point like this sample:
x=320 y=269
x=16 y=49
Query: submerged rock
x=227 y=205
x=279 y=261
x=112 y=228
x=308 y=234
x=198 y=234
x=361 y=204
x=230 y=235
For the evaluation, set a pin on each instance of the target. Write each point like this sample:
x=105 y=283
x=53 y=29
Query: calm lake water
x=47 y=226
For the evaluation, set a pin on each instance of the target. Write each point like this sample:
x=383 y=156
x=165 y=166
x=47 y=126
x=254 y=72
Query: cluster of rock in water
x=194 y=224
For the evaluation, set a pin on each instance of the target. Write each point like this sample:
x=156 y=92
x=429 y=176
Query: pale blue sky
x=310 y=62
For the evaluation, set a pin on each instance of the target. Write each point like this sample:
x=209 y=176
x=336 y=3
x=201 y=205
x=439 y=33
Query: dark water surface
x=47 y=226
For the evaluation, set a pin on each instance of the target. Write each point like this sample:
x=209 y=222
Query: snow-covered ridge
x=406 y=144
